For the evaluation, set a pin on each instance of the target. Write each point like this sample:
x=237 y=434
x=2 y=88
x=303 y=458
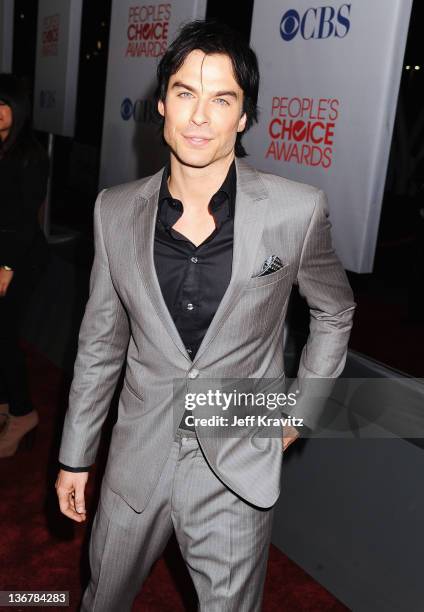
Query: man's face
x=5 y=119
x=203 y=110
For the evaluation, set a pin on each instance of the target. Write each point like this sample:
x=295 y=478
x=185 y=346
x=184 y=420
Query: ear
x=161 y=108
x=242 y=123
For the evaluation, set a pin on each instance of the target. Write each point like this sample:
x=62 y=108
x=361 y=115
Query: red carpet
x=42 y=549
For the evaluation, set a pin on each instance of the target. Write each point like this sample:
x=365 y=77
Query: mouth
x=197 y=141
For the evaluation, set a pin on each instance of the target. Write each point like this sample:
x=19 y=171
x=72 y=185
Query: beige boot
x=16 y=428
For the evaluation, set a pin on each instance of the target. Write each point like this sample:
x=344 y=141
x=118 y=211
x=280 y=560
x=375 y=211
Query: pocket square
x=271 y=264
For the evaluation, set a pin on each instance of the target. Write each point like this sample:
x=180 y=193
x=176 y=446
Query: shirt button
x=190 y=306
x=193 y=373
x=193 y=259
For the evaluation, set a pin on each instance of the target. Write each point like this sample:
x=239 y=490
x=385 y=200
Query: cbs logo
x=316 y=23
x=142 y=111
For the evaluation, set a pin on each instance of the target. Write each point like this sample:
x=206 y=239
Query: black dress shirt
x=193 y=279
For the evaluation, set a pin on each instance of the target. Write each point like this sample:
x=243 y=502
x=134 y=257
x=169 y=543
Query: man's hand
x=70 y=491
x=289 y=435
x=5 y=278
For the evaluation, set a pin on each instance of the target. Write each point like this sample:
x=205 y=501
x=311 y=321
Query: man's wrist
x=5 y=267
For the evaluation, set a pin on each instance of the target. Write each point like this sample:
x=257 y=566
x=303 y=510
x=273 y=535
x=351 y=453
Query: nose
x=199 y=115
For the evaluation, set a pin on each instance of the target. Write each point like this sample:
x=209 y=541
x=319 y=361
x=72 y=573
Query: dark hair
x=214 y=37
x=15 y=95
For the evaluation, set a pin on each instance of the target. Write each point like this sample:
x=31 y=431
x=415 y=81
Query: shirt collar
x=226 y=193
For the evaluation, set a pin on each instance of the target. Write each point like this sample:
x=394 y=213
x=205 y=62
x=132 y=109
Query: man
x=178 y=291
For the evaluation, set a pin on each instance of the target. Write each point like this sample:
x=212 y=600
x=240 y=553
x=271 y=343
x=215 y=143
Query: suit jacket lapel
x=250 y=213
x=145 y=213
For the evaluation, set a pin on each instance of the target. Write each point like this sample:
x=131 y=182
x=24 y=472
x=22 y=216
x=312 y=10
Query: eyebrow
x=229 y=92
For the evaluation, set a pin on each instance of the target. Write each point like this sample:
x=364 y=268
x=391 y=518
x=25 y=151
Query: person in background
x=23 y=254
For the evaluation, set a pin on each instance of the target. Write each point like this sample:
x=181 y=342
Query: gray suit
x=126 y=317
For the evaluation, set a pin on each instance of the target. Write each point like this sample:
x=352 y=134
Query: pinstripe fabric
x=223 y=540
x=126 y=320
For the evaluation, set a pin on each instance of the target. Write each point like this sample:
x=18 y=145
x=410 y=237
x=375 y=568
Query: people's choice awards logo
x=316 y=23
x=50 y=35
x=147 y=30
x=301 y=130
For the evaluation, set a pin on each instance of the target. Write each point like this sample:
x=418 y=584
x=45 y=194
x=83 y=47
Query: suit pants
x=223 y=539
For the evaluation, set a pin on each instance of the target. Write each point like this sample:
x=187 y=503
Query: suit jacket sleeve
x=67 y=468
x=323 y=283
x=102 y=345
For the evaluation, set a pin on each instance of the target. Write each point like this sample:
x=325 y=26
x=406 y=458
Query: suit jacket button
x=193 y=373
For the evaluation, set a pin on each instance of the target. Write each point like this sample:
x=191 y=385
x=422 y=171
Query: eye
x=183 y=94
x=222 y=102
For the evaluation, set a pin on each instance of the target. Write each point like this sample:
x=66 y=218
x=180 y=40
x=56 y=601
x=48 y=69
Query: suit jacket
x=126 y=320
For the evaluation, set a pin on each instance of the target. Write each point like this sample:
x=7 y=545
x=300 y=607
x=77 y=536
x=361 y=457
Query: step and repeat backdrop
x=56 y=66
x=6 y=34
x=139 y=35
x=330 y=77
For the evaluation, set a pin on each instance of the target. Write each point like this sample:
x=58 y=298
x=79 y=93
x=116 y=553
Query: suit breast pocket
x=268 y=279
